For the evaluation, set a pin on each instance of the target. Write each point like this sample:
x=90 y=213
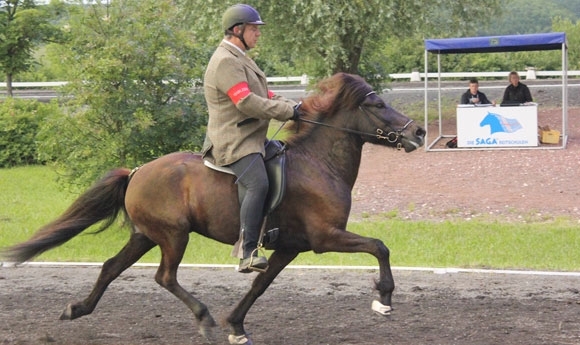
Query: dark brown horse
x=174 y=195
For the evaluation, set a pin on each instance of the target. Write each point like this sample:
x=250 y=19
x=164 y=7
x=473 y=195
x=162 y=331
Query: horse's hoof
x=67 y=313
x=206 y=326
x=381 y=309
x=207 y=333
x=240 y=340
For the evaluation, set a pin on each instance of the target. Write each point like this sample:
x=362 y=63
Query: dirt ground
x=302 y=307
x=333 y=306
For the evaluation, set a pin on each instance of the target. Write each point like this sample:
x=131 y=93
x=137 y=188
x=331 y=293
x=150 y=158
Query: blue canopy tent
x=494 y=44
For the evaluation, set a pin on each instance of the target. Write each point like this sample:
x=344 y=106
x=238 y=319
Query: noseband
x=392 y=135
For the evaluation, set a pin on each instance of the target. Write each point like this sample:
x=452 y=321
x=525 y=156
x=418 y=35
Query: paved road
x=546 y=91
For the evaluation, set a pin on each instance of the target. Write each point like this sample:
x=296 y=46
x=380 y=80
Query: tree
x=532 y=16
x=325 y=37
x=131 y=92
x=572 y=30
x=571 y=5
x=22 y=27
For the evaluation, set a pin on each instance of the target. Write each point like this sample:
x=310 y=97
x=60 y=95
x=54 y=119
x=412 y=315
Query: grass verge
x=31 y=198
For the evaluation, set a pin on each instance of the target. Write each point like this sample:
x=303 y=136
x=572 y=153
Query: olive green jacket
x=234 y=131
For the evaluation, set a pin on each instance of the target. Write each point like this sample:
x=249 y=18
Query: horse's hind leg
x=137 y=246
x=172 y=250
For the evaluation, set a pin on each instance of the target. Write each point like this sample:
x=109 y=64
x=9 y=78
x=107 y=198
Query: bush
x=81 y=149
x=20 y=121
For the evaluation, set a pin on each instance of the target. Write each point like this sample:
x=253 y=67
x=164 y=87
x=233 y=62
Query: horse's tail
x=102 y=201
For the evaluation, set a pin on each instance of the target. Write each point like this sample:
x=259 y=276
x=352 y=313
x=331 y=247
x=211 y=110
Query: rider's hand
x=297 y=113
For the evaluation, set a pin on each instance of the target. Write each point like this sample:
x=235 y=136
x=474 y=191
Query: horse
x=166 y=199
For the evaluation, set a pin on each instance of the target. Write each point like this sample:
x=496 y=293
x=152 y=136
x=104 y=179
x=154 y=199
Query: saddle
x=275 y=162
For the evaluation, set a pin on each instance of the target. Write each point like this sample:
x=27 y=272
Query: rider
x=240 y=109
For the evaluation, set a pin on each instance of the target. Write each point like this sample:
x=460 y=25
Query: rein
x=392 y=136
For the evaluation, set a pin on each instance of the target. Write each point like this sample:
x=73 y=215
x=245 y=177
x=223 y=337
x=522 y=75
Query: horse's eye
x=380 y=105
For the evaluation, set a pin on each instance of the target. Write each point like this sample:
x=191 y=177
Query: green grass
x=30 y=198
x=475 y=244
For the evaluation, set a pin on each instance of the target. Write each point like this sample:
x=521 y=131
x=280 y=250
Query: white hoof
x=239 y=340
x=381 y=309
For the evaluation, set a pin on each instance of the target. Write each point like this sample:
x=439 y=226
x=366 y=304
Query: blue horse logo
x=498 y=123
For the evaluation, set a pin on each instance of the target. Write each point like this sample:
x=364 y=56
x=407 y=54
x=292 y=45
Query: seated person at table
x=516 y=92
x=473 y=95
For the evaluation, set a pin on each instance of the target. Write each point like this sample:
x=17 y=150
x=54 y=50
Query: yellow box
x=549 y=136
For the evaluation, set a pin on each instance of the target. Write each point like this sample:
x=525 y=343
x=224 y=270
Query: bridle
x=392 y=135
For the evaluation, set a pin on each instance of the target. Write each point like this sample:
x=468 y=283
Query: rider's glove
x=297 y=113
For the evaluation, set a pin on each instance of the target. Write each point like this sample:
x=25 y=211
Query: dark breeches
x=251 y=173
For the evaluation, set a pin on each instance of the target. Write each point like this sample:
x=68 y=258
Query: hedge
x=20 y=121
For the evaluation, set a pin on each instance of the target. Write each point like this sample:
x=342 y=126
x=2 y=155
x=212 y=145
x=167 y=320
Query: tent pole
x=426 y=101
x=564 y=94
x=439 y=95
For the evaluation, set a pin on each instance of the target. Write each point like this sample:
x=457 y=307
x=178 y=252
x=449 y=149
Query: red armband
x=271 y=94
x=239 y=91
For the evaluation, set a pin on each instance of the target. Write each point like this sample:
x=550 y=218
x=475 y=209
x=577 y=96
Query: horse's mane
x=349 y=89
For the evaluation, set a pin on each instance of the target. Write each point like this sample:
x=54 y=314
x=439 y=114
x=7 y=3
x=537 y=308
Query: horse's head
x=386 y=126
x=347 y=103
x=489 y=119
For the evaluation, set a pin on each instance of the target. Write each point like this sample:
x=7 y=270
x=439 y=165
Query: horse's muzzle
x=412 y=138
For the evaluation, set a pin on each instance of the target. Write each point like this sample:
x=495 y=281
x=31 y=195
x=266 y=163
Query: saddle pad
x=218 y=168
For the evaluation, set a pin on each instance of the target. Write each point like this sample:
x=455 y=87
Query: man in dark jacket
x=516 y=92
x=473 y=95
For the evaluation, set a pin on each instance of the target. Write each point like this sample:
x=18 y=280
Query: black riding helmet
x=240 y=14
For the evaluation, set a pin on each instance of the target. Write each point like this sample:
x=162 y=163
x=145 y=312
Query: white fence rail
x=302 y=80
x=529 y=74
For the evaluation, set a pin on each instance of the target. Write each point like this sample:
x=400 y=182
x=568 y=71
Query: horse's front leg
x=278 y=260
x=340 y=240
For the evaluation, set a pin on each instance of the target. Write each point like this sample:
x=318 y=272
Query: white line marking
x=436 y=270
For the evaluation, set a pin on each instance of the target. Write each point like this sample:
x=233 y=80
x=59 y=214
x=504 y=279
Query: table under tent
x=494 y=44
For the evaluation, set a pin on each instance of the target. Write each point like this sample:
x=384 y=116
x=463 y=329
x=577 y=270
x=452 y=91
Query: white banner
x=495 y=126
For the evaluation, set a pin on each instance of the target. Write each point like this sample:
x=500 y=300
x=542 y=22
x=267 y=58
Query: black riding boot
x=252 y=260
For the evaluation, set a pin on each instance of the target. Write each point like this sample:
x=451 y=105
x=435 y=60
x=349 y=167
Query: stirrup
x=253 y=264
